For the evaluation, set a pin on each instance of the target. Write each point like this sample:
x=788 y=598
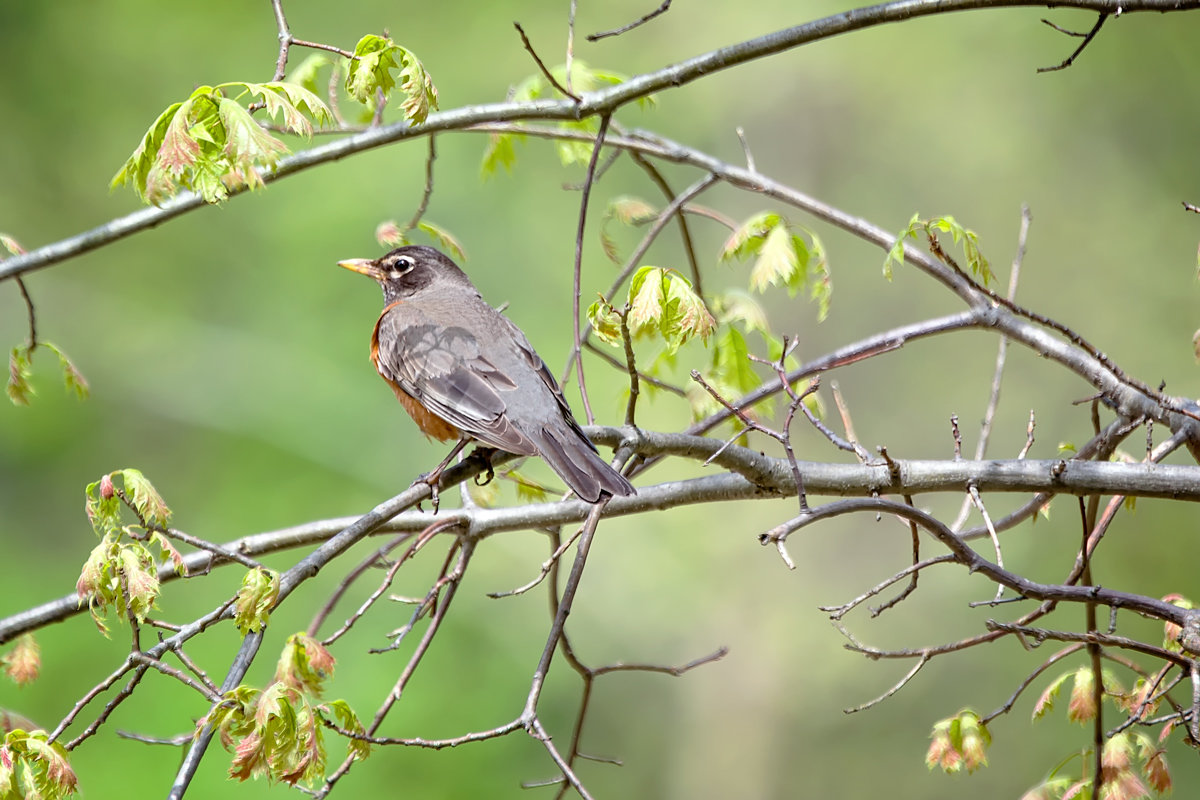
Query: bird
x=462 y=370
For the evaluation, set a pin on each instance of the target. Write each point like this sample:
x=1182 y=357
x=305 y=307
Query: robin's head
x=408 y=270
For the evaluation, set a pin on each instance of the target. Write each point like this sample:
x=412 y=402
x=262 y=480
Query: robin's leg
x=432 y=478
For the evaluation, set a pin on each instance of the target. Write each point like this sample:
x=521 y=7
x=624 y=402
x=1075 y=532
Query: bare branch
x=595 y=37
x=1068 y=61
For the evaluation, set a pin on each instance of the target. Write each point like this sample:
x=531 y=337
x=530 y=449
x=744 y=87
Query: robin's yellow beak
x=363 y=266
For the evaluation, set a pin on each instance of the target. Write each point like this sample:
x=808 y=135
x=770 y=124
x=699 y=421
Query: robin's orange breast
x=429 y=423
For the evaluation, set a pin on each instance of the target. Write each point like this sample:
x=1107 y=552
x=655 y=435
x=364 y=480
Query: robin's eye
x=402 y=264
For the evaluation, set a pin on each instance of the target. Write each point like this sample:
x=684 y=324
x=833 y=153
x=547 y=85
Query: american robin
x=462 y=370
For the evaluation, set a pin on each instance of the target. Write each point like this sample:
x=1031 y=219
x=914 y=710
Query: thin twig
x=1069 y=60
x=630 y=367
x=32 y=342
x=349 y=579
x=585 y=195
x=542 y=67
x=595 y=37
x=428 y=192
x=900 y=684
x=658 y=383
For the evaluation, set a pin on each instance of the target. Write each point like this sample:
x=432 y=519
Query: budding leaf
x=305 y=664
x=605 y=322
x=145 y=498
x=255 y=599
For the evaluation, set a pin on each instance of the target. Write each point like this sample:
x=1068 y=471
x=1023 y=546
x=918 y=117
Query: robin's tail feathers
x=580 y=466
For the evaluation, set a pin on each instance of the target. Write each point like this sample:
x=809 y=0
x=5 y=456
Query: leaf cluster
x=278 y=732
x=121 y=572
x=32 y=766
x=929 y=228
x=211 y=144
x=370 y=75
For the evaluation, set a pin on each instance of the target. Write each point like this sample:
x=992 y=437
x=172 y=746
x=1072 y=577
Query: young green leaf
x=209 y=143
x=647 y=298
x=605 y=322
x=499 y=152
x=305 y=73
x=347 y=720
x=895 y=256
x=528 y=490
x=821 y=284
x=778 y=261
x=72 y=378
x=420 y=95
x=376 y=57
x=145 y=498
x=687 y=315
x=103 y=506
x=443 y=238
x=11 y=244
x=255 y=599
x=748 y=239
x=1045 y=703
x=737 y=306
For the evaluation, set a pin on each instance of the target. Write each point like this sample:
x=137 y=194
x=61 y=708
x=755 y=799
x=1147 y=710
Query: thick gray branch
x=749 y=475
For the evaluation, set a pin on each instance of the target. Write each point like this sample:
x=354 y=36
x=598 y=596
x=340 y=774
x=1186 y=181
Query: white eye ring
x=403 y=264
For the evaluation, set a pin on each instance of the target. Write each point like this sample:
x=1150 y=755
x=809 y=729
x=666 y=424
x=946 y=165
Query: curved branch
x=604 y=101
x=1149 y=606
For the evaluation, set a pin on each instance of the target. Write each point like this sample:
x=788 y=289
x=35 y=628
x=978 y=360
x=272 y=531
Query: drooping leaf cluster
x=121 y=572
x=279 y=732
x=20 y=359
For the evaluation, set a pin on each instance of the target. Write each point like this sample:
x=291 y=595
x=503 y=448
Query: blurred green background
x=227 y=359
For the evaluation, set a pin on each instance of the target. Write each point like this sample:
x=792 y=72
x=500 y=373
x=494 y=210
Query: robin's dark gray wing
x=560 y=440
x=443 y=368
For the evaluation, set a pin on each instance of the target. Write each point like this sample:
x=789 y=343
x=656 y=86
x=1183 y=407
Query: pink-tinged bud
x=106 y=488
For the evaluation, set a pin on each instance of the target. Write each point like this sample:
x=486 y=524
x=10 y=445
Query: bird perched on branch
x=462 y=370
